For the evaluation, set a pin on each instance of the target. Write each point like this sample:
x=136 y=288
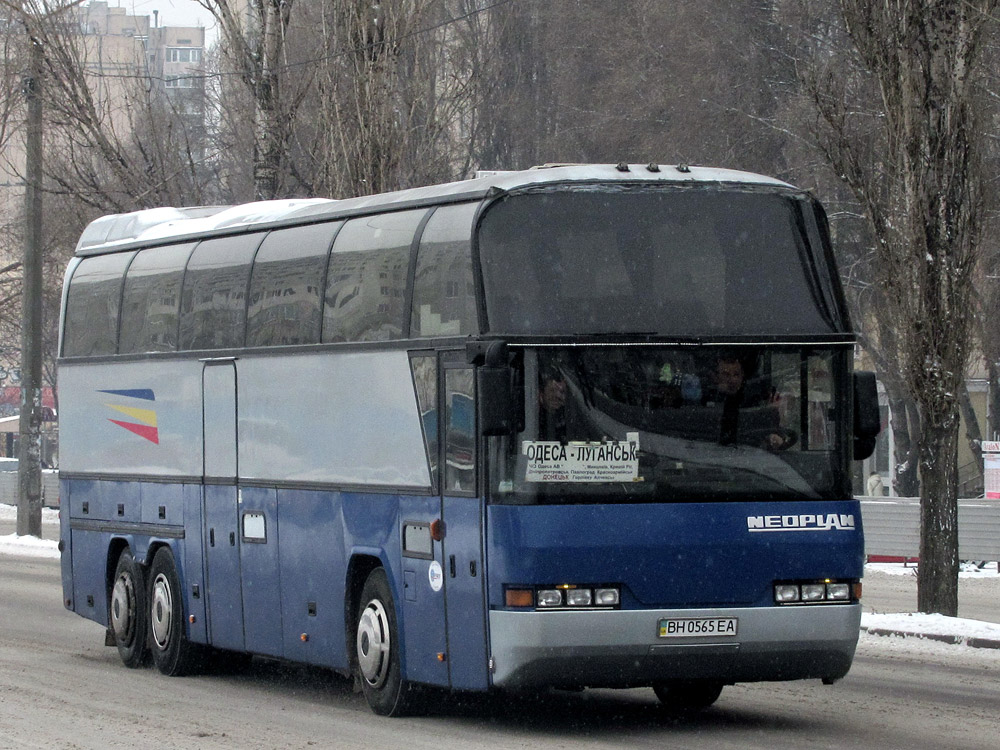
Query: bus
x=569 y=427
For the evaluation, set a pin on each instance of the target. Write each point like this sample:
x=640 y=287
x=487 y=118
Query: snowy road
x=60 y=687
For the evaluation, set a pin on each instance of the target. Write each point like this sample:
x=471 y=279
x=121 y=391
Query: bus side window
x=213 y=304
x=425 y=383
x=366 y=280
x=151 y=300
x=460 y=435
x=284 y=306
x=444 y=299
x=93 y=304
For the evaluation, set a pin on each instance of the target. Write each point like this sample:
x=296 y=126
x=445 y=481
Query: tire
x=173 y=653
x=128 y=615
x=687 y=697
x=377 y=644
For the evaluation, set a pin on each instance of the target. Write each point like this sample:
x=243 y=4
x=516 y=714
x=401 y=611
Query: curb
x=956 y=640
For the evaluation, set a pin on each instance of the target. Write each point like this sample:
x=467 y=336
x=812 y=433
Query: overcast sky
x=172 y=13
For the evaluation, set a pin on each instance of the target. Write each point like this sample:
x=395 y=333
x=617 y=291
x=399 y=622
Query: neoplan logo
x=804 y=522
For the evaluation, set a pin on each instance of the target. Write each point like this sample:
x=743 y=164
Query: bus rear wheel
x=128 y=613
x=173 y=653
x=378 y=645
x=687 y=697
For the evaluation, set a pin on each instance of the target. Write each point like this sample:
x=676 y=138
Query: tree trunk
x=937 y=577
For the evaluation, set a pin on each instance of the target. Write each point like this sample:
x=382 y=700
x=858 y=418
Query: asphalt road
x=61 y=687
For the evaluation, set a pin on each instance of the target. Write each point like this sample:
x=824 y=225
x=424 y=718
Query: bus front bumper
x=622 y=648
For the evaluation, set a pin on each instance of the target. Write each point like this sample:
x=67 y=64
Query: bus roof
x=157 y=226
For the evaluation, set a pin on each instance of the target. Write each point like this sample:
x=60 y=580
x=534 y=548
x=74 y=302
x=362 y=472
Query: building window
x=183 y=54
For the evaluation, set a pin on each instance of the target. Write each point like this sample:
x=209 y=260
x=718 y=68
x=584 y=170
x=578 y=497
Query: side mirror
x=867 y=422
x=498 y=412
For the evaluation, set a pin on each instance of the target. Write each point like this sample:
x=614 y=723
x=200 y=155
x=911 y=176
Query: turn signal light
x=519 y=598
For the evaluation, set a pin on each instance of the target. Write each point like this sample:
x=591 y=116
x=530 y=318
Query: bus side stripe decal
x=146 y=416
x=150 y=433
x=143 y=393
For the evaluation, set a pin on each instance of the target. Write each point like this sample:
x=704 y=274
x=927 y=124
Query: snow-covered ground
x=933 y=627
x=28 y=546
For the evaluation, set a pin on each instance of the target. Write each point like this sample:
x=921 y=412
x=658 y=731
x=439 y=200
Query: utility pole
x=29 y=452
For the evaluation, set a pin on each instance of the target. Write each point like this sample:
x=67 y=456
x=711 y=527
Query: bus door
x=462 y=510
x=222 y=540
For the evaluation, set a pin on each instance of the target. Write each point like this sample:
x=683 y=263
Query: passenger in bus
x=552 y=406
x=749 y=413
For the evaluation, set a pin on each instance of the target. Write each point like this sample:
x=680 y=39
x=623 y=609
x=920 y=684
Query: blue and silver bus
x=580 y=426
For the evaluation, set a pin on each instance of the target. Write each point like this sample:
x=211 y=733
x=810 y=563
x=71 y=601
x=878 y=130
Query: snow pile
x=28 y=546
x=938 y=627
x=966 y=570
x=9 y=513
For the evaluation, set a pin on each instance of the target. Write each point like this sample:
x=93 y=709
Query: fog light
x=550 y=598
x=579 y=597
x=838 y=592
x=813 y=592
x=786 y=592
x=606 y=597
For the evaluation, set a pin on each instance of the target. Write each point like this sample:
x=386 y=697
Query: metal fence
x=892 y=528
x=891 y=525
x=50 y=488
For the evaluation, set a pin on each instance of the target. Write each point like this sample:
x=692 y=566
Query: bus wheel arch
x=127 y=611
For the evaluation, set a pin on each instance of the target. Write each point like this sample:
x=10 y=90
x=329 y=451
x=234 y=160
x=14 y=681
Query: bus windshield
x=687 y=261
x=675 y=424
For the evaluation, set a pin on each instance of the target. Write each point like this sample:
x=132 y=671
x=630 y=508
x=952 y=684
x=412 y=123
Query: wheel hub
x=123 y=607
x=161 y=608
x=373 y=643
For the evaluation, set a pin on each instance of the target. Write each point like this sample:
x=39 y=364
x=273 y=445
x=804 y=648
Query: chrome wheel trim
x=123 y=607
x=161 y=610
x=374 y=644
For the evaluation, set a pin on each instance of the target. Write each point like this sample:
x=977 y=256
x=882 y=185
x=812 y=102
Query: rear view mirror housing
x=867 y=420
x=495 y=383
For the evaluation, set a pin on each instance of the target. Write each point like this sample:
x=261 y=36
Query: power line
x=312 y=61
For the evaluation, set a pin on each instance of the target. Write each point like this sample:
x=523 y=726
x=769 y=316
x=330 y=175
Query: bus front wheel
x=377 y=642
x=128 y=613
x=173 y=653
x=687 y=697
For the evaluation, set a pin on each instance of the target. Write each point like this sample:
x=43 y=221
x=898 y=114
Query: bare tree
x=898 y=121
x=254 y=35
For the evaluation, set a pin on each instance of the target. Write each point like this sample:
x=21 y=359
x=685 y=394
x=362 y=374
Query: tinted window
x=93 y=304
x=152 y=299
x=425 y=381
x=444 y=297
x=685 y=261
x=460 y=436
x=366 y=281
x=213 y=305
x=285 y=287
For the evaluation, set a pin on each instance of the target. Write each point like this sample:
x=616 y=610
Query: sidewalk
x=889 y=604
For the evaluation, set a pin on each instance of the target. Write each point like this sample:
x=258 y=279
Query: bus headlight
x=606 y=597
x=563 y=596
x=813 y=592
x=838 y=592
x=824 y=591
x=550 y=598
x=786 y=592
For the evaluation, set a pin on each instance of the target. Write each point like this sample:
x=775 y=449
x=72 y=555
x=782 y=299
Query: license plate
x=693 y=627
